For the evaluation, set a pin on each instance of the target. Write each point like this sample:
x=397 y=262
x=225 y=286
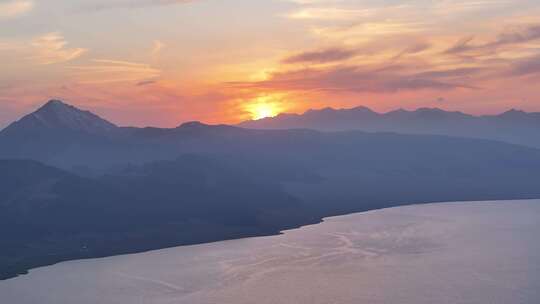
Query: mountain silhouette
x=57 y=115
x=513 y=126
x=55 y=131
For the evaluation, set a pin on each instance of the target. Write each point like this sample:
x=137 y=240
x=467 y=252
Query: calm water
x=487 y=252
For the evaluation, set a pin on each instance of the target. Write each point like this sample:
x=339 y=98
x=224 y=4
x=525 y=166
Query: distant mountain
x=64 y=136
x=512 y=126
x=58 y=116
x=54 y=131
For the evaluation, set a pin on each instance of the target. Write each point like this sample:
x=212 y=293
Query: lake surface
x=481 y=252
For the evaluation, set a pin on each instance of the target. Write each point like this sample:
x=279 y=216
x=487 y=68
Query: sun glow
x=263 y=107
x=261 y=111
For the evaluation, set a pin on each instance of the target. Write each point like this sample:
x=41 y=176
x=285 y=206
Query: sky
x=164 y=62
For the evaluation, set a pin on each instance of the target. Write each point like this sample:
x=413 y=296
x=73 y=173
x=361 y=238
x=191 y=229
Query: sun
x=263 y=107
x=263 y=110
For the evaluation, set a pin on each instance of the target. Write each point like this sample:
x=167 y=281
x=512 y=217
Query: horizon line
x=382 y=113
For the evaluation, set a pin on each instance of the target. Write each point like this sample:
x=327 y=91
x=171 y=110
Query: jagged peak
x=54 y=102
x=326 y=109
x=514 y=111
x=362 y=109
x=397 y=111
x=201 y=125
x=334 y=110
x=439 y=111
x=197 y=127
x=193 y=124
x=427 y=109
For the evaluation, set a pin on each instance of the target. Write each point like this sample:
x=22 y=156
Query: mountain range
x=76 y=186
x=513 y=126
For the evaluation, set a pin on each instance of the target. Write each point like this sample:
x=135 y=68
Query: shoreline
x=28 y=270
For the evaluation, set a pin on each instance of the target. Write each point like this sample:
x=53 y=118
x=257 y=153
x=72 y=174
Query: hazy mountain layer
x=513 y=126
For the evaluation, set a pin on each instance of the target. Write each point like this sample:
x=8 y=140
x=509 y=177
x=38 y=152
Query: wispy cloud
x=329 y=13
x=145 y=83
x=446 y=7
x=112 y=4
x=366 y=31
x=321 y=56
x=510 y=38
x=157 y=47
x=106 y=71
x=413 y=49
x=15 y=8
x=356 y=79
x=52 y=48
x=525 y=67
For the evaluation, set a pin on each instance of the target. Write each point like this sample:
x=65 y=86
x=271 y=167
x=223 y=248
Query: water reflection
x=445 y=253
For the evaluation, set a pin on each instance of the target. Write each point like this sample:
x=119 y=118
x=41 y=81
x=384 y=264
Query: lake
x=474 y=252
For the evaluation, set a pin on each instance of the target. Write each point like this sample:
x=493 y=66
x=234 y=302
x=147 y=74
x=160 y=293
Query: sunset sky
x=164 y=62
